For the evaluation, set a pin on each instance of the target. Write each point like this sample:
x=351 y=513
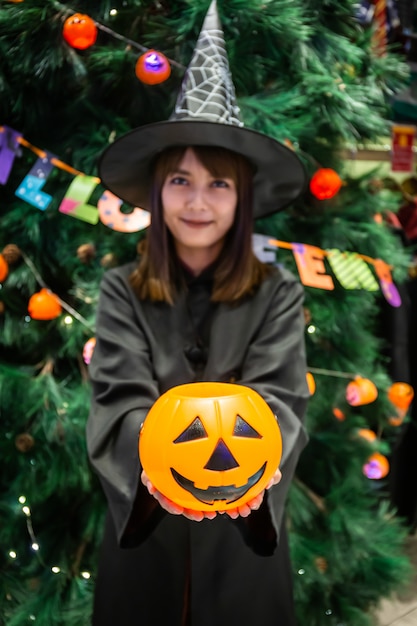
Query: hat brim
x=124 y=167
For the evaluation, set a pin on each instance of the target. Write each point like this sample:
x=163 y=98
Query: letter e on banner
x=310 y=266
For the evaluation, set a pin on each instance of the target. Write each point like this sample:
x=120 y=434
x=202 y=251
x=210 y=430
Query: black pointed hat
x=205 y=114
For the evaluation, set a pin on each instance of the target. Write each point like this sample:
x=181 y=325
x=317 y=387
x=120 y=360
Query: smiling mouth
x=196 y=224
x=230 y=493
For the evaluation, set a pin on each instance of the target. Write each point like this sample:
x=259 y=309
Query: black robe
x=160 y=569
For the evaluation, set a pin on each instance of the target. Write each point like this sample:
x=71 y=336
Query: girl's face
x=198 y=209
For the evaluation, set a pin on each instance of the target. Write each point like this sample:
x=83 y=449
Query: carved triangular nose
x=221 y=459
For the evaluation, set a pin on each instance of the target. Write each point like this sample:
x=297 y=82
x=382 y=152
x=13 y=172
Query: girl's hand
x=243 y=511
x=171 y=507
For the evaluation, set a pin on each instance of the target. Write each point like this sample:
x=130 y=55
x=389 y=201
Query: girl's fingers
x=255 y=503
x=144 y=478
x=198 y=516
x=173 y=508
x=244 y=510
x=168 y=505
x=195 y=516
x=274 y=480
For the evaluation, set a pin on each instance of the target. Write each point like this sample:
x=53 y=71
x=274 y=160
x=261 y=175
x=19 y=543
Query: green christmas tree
x=306 y=73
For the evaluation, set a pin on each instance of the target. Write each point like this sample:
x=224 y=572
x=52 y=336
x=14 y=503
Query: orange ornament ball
x=4 y=268
x=152 y=68
x=80 y=31
x=401 y=395
x=44 y=305
x=367 y=434
x=325 y=183
x=396 y=421
x=210 y=446
x=88 y=350
x=361 y=391
x=376 y=467
x=339 y=415
x=311 y=383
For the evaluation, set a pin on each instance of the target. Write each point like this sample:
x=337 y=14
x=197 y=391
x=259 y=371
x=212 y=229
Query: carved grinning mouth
x=230 y=493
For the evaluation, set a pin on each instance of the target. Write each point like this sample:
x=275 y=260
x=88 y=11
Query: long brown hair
x=238 y=271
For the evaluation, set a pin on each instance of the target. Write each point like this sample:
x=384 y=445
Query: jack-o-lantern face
x=210 y=446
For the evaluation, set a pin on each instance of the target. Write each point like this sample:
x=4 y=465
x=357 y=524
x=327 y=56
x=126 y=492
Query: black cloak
x=224 y=571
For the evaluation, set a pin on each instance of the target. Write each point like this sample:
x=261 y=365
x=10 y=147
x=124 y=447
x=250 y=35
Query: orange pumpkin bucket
x=210 y=446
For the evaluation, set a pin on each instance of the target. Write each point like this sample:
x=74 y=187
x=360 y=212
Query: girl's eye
x=220 y=183
x=178 y=180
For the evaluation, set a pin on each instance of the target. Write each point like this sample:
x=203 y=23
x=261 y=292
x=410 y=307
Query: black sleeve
x=276 y=368
x=123 y=390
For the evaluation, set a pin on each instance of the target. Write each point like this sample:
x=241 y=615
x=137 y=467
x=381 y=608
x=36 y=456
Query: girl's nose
x=197 y=198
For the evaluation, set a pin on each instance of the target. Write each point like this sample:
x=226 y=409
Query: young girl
x=198 y=306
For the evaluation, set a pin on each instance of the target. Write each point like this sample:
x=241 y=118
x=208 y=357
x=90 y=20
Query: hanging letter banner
x=111 y=215
x=351 y=271
x=9 y=149
x=390 y=291
x=30 y=189
x=263 y=249
x=350 y=268
x=310 y=266
x=75 y=201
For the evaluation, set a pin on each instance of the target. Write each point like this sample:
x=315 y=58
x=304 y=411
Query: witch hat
x=207 y=90
x=205 y=114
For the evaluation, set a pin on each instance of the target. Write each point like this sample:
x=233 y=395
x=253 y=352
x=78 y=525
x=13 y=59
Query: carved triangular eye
x=194 y=431
x=243 y=429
